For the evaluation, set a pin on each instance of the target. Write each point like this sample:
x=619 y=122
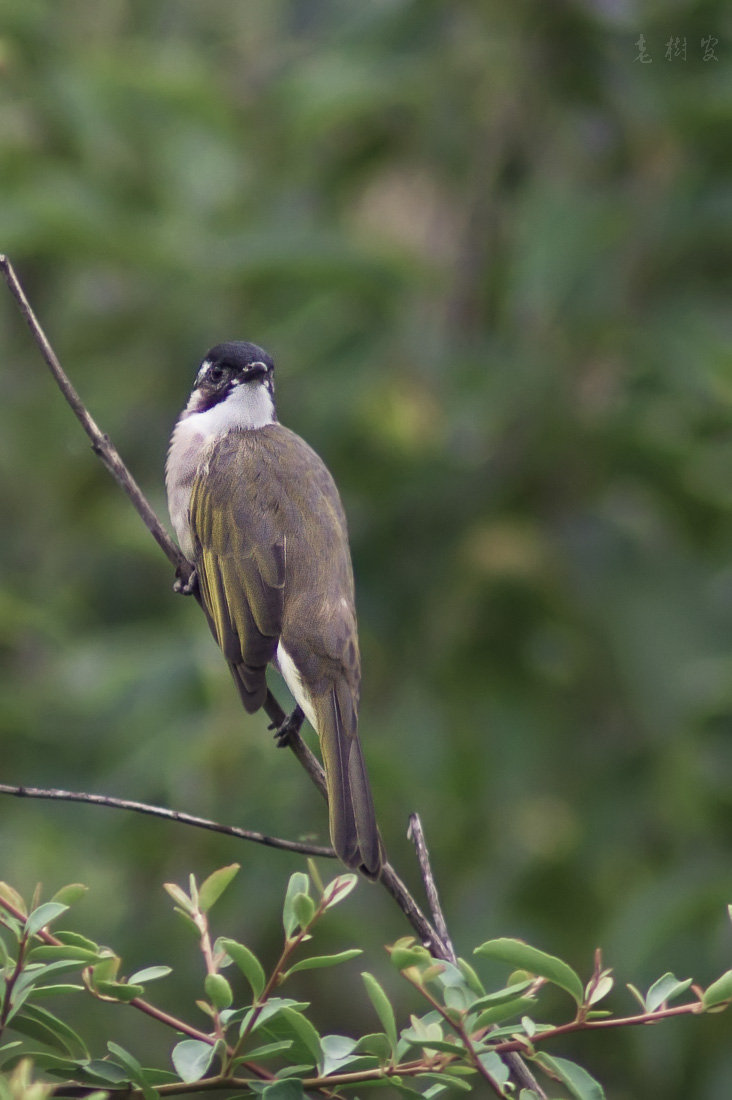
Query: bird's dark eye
x=216 y=375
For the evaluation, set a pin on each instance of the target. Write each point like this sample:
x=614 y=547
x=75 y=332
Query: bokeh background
x=489 y=248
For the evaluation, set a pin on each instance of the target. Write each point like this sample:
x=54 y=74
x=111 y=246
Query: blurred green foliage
x=489 y=250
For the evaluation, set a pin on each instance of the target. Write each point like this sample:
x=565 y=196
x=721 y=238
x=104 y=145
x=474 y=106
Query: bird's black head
x=232 y=364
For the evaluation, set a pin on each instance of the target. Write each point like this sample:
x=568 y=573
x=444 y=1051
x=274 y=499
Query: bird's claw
x=186 y=588
x=292 y=724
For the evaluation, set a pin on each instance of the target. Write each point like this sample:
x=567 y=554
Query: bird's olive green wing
x=241 y=573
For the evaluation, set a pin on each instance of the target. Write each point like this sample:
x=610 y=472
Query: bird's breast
x=189 y=445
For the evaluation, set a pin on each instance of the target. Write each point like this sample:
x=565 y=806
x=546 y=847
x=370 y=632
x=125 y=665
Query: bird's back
x=276 y=494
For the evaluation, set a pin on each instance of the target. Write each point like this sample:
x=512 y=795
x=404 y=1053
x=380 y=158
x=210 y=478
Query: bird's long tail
x=353 y=830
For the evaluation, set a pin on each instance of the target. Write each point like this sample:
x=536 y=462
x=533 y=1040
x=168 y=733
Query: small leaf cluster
x=266 y=1026
x=247 y=1036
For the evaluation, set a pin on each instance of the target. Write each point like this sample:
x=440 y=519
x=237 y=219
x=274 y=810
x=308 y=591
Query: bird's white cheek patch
x=293 y=679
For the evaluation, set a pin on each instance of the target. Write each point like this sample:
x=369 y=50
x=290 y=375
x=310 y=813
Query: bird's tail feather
x=353 y=828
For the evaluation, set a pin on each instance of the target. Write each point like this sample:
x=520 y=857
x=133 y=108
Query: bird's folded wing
x=241 y=573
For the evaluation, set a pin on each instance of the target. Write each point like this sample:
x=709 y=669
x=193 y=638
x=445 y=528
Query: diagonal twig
x=101 y=443
x=416 y=835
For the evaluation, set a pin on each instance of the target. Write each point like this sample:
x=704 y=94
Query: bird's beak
x=253 y=370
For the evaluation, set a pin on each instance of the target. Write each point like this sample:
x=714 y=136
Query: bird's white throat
x=247 y=406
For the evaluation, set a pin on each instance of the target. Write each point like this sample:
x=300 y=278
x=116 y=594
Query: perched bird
x=258 y=514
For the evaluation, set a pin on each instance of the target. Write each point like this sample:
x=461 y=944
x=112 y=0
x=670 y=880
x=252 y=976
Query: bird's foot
x=186 y=588
x=292 y=724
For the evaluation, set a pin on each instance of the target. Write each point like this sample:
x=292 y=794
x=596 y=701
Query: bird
x=258 y=515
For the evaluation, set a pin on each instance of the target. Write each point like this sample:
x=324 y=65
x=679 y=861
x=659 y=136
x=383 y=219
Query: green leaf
x=319 y=962
x=597 y=992
x=304 y=909
x=158 y=1077
x=12 y=897
x=299 y=884
x=107 y=968
x=458 y=994
x=267 y=1050
x=383 y=1008
x=43 y=915
x=337 y=1051
x=75 y=939
x=338 y=889
x=38 y=972
x=441 y=1085
x=189 y=923
x=314 y=875
x=305 y=1032
x=719 y=991
x=55 y=990
x=405 y=1090
x=427 y=1029
x=578 y=1080
x=134 y=1069
x=104 y=1071
x=191 y=1059
x=496 y=1014
x=529 y=1026
x=82 y=956
x=505 y=1031
x=31 y=978
x=440 y=1079
x=377 y=1045
x=70 y=894
x=665 y=989
x=214 y=886
x=284 y=1090
x=68 y=1068
x=41 y=1024
x=180 y=896
x=415 y=1040
x=247 y=962
x=471 y=977
x=15 y=927
x=519 y=954
x=193 y=891
x=501 y=995
x=218 y=990
x=275 y=1006
x=149 y=974
x=405 y=953
x=495 y=1065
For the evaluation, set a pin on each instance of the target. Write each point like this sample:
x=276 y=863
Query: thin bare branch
x=643 y=1019
x=416 y=835
x=101 y=443
x=295 y=743
x=168 y=815
x=427 y=934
